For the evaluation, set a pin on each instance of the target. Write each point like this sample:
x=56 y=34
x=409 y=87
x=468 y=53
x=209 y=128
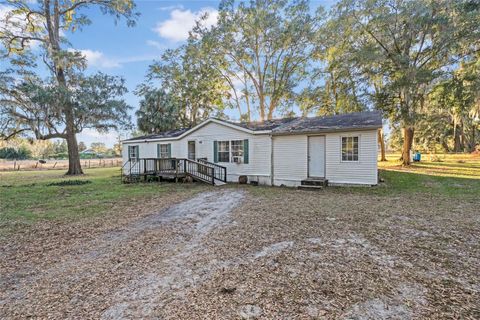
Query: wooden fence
x=57 y=164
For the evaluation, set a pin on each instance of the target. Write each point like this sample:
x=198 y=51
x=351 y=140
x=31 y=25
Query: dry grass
x=8 y=165
x=278 y=253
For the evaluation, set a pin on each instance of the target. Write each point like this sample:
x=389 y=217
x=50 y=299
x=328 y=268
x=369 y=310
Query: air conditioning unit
x=237 y=159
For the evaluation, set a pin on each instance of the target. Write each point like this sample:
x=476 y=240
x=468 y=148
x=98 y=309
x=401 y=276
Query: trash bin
x=417 y=157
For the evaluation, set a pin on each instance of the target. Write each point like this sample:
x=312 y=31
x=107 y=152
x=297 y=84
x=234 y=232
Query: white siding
x=290 y=155
x=362 y=172
x=258 y=167
x=290 y=159
x=259 y=150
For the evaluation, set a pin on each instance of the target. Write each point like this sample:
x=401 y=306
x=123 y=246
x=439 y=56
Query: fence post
x=213 y=176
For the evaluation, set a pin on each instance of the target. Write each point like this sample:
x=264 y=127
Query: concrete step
x=310 y=187
x=315 y=182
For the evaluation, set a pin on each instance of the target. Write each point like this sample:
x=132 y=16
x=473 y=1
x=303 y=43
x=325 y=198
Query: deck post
x=145 y=169
x=176 y=170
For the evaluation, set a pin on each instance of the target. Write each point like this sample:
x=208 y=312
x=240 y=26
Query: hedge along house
x=341 y=149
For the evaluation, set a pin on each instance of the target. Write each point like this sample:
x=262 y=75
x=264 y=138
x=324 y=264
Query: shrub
x=21 y=153
x=69 y=183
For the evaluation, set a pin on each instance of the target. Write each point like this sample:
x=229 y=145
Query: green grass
x=452 y=175
x=29 y=196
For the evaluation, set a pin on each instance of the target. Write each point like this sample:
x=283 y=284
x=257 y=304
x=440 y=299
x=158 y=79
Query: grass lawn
x=456 y=176
x=405 y=249
x=26 y=196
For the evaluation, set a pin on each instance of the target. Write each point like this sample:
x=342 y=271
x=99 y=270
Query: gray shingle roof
x=348 y=121
x=166 y=134
x=261 y=126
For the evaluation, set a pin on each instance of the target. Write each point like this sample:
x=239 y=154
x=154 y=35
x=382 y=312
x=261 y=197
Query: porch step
x=219 y=183
x=319 y=182
x=310 y=187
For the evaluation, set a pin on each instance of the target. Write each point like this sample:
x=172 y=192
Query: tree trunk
x=74 y=166
x=261 y=99
x=407 y=145
x=382 y=145
x=456 y=137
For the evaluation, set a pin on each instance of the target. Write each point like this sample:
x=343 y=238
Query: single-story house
x=340 y=148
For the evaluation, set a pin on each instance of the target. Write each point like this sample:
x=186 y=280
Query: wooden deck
x=136 y=170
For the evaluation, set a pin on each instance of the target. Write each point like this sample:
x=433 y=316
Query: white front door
x=316 y=156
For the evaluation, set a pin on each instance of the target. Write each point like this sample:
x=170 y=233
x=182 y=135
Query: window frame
x=161 y=145
x=136 y=150
x=241 y=150
x=353 y=148
x=219 y=143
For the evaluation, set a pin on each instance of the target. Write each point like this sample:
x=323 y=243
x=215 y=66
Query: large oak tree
x=68 y=101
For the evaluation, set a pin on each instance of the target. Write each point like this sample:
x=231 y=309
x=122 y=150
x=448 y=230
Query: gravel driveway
x=251 y=253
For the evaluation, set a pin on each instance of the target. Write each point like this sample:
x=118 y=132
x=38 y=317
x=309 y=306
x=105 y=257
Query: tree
x=99 y=147
x=61 y=104
x=189 y=84
x=158 y=112
x=409 y=43
x=82 y=146
x=263 y=49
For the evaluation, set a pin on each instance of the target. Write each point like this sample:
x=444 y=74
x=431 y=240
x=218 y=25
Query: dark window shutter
x=245 y=151
x=129 y=151
x=158 y=150
x=215 y=151
x=169 y=148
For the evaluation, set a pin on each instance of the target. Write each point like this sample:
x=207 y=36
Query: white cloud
x=16 y=23
x=169 y=8
x=176 y=28
x=97 y=59
x=155 y=44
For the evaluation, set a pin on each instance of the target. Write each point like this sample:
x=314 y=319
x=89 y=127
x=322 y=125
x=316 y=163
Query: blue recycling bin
x=417 y=157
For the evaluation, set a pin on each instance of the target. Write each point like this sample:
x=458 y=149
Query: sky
x=116 y=49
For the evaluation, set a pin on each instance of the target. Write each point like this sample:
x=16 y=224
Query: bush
x=21 y=153
x=69 y=183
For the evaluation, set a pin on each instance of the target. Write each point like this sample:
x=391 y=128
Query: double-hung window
x=223 y=151
x=133 y=152
x=350 y=148
x=163 y=151
x=237 y=151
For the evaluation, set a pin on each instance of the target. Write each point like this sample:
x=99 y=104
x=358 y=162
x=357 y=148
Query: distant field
x=461 y=165
x=57 y=164
x=405 y=249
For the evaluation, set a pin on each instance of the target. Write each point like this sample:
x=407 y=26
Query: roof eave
x=327 y=130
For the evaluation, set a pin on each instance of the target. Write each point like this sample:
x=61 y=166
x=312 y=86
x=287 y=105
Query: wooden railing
x=219 y=172
x=175 y=167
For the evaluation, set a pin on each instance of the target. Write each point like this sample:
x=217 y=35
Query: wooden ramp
x=136 y=170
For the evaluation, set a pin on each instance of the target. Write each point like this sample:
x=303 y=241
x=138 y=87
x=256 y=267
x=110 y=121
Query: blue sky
x=127 y=51
x=116 y=49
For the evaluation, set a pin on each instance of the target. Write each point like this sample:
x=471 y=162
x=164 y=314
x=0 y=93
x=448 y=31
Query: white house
x=341 y=148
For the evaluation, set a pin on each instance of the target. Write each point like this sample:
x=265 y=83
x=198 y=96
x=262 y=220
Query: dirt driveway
x=249 y=253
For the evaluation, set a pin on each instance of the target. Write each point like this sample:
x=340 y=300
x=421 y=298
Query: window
x=133 y=152
x=163 y=151
x=237 y=151
x=191 y=150
x=223 y=151
x=349 y=148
